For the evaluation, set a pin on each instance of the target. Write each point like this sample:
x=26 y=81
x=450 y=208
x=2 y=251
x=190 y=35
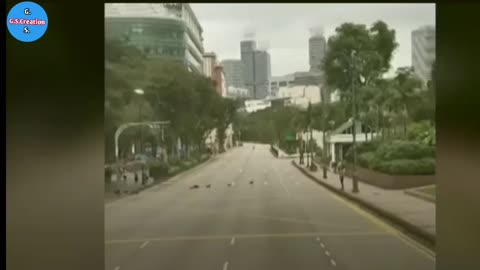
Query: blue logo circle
x=27 y=21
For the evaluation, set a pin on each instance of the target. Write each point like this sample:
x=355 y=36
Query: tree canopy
x=188 y=100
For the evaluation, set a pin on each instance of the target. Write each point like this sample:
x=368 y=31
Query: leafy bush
x=404 y=150
x=159 y=169
x=424 y=166
x=422 y=132
x=367 y=159
x=369 y=146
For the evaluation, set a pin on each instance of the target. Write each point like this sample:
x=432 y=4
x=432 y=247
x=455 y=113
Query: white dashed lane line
x=116 y=268
x=333 y=262
x=225 y=266
x=144 y=244
x=327 y=253
x=322 y=245
x=232 y=242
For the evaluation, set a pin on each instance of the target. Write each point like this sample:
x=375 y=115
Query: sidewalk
x=413 y=214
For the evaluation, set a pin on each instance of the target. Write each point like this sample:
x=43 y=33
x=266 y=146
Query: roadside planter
x=387 y=181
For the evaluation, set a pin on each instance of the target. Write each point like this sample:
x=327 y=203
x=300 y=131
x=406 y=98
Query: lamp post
x=354 y=123
x=352 y=63
x=312 y=165
x=140 y=92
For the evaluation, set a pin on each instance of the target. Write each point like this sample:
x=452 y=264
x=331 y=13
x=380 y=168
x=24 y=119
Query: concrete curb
x=420 y=195
x=429 y=238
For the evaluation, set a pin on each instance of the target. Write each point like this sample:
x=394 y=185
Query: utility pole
x=311 y=138
x=354 y=123
x=254 y=76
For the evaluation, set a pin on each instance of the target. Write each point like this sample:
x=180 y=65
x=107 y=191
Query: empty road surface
x=259 y=213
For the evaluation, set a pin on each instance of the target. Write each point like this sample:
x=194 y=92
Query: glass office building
x=159 y=30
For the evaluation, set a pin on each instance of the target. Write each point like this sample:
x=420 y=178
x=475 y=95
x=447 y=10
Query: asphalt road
x=281 y=221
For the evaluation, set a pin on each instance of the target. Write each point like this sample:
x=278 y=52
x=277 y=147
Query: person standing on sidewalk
x=341 y=172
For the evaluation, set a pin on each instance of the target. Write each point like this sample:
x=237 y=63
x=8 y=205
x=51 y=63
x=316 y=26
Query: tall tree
x=374 y=48
x=407 y=85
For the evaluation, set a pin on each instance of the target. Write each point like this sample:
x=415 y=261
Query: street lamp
x=140 y=92
x=352 y=61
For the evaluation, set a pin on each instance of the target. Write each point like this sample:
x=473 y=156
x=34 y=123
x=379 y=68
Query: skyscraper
x=247 y=49
x=262 y=74
x=256 y=69
x=317 y=48
x=233 y=70
x=423 y=51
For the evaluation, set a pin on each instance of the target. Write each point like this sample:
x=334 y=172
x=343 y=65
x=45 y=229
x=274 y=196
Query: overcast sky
x=284 y=28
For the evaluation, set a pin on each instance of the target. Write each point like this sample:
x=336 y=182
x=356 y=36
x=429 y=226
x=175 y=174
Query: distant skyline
x=285 y=28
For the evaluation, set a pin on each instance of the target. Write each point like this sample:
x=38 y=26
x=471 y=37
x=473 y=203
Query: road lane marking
x=116 y=268
x=284 y=188
x=233 y=241
x=322 y=245
x=299 y=221
x=327 y=253
x=333 y=262
x=244 y=236
x=265 y=183
x=318 y=238
x=386 y=227
x=225 y=266
x=144 y=244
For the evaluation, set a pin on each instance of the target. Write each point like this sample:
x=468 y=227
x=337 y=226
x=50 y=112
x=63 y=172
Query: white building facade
x=301 y=95
x=423 y=51
x=209 y=62
x=169 y=30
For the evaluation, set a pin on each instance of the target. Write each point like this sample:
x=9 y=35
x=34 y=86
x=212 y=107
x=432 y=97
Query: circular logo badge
x=27 y=21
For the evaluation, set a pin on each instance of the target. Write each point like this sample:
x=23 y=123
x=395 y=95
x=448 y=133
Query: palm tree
x=406 y=85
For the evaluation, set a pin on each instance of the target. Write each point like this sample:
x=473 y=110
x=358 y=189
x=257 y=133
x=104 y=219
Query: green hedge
x=397 y=157
x=424 y=166
x=367 y=159
x=404 y=150
x=159 y=169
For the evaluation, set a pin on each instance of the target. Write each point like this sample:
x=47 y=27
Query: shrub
x=369 y=146
x=159 y=169
x=424 y=166
x=422 y=132
x=367 y=159
x=404 y=150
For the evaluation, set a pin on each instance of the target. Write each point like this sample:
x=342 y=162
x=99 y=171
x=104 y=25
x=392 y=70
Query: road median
x=415 y=230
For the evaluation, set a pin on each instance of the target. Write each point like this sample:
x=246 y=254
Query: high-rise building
x=247 y=49
x=233 y=69
x=262 y=74
x=159 y=30
x=209 y=62
x=423 y=51
x=256 y=69
x=317 y=49
x=218 y=78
